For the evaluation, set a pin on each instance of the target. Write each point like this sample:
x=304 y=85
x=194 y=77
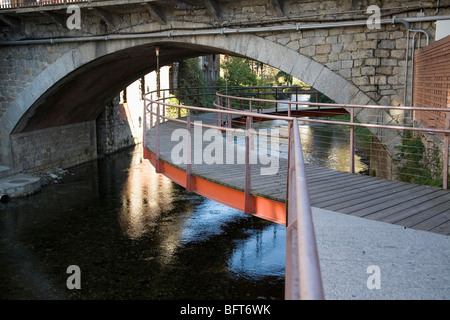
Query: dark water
x=134 y=235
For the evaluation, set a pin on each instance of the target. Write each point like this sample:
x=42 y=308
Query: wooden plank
x=351 y=195
x=419 y=207
x=345 y=182
x=362 y=206
x=419 y=217
x=406 y=209
x=443 y=228
x=394 y=204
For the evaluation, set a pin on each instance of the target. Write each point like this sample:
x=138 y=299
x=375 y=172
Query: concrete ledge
x=4 y=172
x=19 y=185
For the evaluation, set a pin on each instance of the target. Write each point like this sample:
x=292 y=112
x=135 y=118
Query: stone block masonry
x=59 y=147
x=115 y=128
x=53 y=84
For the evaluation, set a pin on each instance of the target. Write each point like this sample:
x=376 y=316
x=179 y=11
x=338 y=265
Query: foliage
x=190 y=75
x=415 y=167
x=284 y=78
x=237 y=72
x=173 y=112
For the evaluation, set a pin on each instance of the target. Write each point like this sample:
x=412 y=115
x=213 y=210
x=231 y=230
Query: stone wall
x=374 y=60
x=354 y=64
x=116 y=129
x=60 y=147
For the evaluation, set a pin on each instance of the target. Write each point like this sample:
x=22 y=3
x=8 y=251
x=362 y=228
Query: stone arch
x=91 y=55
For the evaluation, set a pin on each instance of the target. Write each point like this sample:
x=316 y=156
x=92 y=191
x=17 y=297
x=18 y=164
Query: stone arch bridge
x=55 y=81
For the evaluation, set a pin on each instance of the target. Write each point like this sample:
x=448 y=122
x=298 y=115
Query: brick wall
x=432 y=82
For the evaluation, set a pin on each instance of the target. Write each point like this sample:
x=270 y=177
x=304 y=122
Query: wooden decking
x=413 y=206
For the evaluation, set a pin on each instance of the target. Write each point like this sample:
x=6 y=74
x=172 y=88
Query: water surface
x=135 y=235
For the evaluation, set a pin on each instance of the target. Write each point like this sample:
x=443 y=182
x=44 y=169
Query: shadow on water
x=135 y=235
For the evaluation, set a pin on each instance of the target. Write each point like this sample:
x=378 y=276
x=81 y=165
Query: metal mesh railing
x=382 y=141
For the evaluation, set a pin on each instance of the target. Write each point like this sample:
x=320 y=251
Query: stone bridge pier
x=55 y=81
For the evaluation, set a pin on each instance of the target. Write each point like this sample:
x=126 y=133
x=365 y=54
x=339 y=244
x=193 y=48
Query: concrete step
x=4 y=172
x=19 y=185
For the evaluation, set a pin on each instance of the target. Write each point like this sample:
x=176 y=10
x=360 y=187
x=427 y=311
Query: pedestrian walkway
x=405 y=204
x=413 y=264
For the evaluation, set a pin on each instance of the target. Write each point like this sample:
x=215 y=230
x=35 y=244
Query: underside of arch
x=94 y=73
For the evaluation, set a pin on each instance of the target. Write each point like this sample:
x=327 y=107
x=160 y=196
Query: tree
x=237 y=72
x=190 y=75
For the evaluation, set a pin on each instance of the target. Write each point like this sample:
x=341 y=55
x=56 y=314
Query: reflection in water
x=144 y=197
x=322 y=144
x=260 y=255
x=135 y=235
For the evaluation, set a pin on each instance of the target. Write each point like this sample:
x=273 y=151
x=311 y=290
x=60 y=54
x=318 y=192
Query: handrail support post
x=352 y=141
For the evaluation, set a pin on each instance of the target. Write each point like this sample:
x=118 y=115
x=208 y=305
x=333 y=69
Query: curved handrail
x=302 y=263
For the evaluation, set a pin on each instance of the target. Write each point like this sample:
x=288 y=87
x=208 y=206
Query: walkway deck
x=413 y=206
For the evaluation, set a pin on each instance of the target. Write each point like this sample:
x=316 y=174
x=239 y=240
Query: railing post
x=144 y=123
x=158 y=162
x=291 y=290
x=189 y=186
x=248 y=173
x=276 y=98
x=164 y=107
x=446 y=153
x=352 y=142
x=303 y=277
x=318 y=100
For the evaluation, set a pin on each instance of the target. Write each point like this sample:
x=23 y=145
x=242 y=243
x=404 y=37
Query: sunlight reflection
x=260 y=255
x=144 y=197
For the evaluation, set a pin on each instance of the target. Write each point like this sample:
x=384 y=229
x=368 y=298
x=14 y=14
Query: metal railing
x=302 y=262
x=303 y=275
x=303 y=278
x=224 y=101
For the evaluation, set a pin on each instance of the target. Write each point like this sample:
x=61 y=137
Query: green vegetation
x=415 y=166
x=191 y=76
x=237 y=73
